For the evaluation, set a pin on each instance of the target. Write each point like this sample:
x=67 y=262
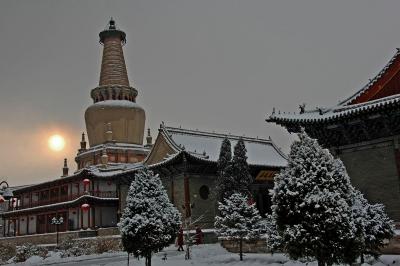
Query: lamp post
x=5 y=194
x=5 y=191
x=57 y=221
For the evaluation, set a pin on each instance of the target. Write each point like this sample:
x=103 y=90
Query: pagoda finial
x=113 y=68
x=111 y=24
x=149 y=139
x=83 y=142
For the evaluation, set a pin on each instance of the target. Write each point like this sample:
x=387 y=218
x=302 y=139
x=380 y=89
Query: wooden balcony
x=63 y=198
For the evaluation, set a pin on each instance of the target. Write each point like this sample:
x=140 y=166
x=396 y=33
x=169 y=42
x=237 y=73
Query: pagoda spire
x=113 y=68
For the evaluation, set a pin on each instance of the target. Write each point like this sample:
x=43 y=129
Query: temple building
x=93 y=197
x=364 y=131
x=186 y=161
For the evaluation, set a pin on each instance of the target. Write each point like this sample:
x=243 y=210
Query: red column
x=4 y=227
x=46 y=227
x=93 y=217
x=27 y=224
x=81 y=213
x=88 y=214
x=101 y=217
x=187 y=196
x=67 y=221
x=18 y=231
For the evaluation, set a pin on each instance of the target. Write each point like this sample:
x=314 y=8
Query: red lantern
x=85 y=207
x=86 y=181
x=2 y=199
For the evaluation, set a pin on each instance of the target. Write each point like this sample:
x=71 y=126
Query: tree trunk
x=241 y=248
x=321 y=263
x=148 y=260
x=128 y=258
x=362 y=258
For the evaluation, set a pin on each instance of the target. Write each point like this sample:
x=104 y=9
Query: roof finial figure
x=65 y=168
x=302 y=108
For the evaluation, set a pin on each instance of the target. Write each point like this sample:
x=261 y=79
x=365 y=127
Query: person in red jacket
x=199 y=236
x=180 y=239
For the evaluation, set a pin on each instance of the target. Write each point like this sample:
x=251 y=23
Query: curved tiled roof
x=205 y=146
x=336 y=112
x=348 y=107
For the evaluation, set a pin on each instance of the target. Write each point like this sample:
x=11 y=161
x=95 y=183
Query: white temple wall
x=85 y=214
x=22 y=225
x=32 y=225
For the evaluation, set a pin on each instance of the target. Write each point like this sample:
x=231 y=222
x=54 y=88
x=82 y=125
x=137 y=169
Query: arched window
x=204 y=192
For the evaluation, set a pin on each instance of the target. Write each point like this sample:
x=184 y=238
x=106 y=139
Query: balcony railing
x=63 y=198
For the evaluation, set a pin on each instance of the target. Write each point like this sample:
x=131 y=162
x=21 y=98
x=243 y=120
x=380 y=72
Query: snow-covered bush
x=238 y=220
x=149 y=221
x=7 y=251
x=372 y=224
x=312 y=206
x=28 y=250
x=102 y=245
x=73 y=248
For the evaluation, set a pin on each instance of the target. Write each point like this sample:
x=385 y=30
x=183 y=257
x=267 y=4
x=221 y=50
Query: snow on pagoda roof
x=364 y=100
x=206 y=146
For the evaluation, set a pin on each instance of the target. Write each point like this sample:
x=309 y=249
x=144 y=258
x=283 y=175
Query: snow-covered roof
x=206 y=146
x=112 y=170
x=115 y=146
x=335 y=112
x=359 y=102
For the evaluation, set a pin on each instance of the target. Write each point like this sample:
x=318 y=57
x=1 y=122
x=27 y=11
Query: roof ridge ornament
x=302 y=108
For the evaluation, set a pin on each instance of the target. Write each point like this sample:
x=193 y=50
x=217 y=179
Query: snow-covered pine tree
x=149 y=221
x=238 y=220
x=312 y=205
x=372 y=224
x=224 y=179
x=240 y=169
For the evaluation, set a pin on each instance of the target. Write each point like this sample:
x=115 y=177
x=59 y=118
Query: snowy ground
x=210 y=255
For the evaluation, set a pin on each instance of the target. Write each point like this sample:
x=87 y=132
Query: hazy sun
x=56 y=143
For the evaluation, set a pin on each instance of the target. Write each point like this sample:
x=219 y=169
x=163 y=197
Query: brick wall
x=373 y=170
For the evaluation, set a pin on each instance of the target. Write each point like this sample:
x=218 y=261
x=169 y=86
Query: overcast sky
x=212 y=64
